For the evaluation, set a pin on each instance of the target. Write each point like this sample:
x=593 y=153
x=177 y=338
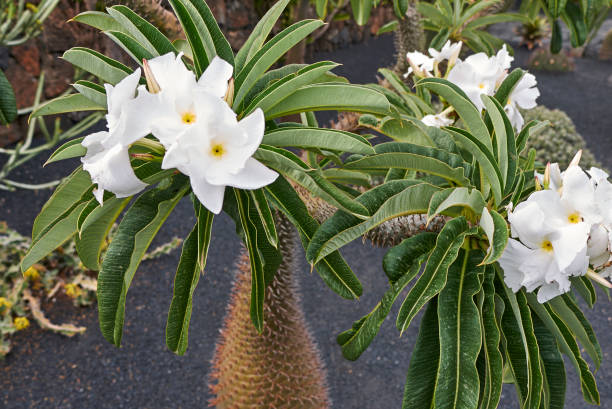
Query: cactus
x=281 y=368
x=543 y=59
x=560 y=141
x=409 y=36
x=534 y=32
x=605 y=52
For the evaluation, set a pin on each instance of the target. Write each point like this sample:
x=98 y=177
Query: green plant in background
x=559 y=140
x=465 y=21
x=583 y=18
x=24 y=151
x=19 y=22
x=22 y=296
x=534 y=32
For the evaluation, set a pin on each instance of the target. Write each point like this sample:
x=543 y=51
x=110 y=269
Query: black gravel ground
x=51 y=371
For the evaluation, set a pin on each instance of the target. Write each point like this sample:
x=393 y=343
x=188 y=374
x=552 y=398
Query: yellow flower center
x=188 y=118
x=481 y=85
x=547 y=245
x=574 y=218
x=217 y=150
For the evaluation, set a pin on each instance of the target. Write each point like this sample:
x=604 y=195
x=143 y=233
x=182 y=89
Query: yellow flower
x=21 y=323
x=31 y=274
x=5 y=304
x=72 y=290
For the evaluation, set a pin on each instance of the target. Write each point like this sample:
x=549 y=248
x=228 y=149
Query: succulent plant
x=560 y=141
x=543 y=59
x=534 y=31
x=281 y=368
x=154 y=12
x=605 y=52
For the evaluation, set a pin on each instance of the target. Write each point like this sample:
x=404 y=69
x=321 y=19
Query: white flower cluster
x=561 y=230
x=191 y=119
x=477 y=75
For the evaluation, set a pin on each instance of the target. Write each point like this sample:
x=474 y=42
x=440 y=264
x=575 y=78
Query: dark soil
x=51 y=371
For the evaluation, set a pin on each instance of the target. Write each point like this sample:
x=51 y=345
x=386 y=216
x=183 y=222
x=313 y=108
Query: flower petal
x=112 y=171
x=253 y=176
x=510 y=262
x=210 y=196
x=215 y=78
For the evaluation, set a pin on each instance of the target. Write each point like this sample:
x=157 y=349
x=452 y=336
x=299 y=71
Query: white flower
x=450 y=51
x=216 y=151
x=524 y=96
x=476 y=76
x=174 y=109
x=598 y=246
x=420 y=64
x=107 y=159
x=438 y=120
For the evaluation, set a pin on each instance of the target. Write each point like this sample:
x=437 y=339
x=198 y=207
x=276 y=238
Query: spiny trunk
x=281 y=368
x=409 y=36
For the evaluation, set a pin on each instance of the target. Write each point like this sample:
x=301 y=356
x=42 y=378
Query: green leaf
x=191 y=263
x=361 y=11
x=70 y=191
x=259 y=34
x=276 y=92
x=568 y=345
x=508 y=85
x=567 y=310
x=321 y=8
x=496 y=229
x=96 y=93
x=90 y=240
x=99 y=20
x=401 y=258
x=357 y=339
x=496 y=114
x=555 y=7
x=108 y=70
x=346 y=202
x=454 y=201
x=290 y=165
x=402 y=155
x=332 y=269
x=318 y=138
x=271 y=52
x=460 y=334
x=400 y=7
x=144 y=32
x=434 y=277
x=583 y=286
x=259 y=263
x=556 y=39
x=462 y=104
x=491 y=335
x=134 y=49
x=134 y=235
x=522 y=349
x=423 y=370
x=553 y=396
x=261 y=204
x=495 y=19
x=202 y=32
x=53 y=236
x=71 y=149
x=332 y=97
x=388 y=28
x=433 y=14
x=384 y=202
x=489 y=169
x=573 y=19
x=66 y=103
x=8 y=103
